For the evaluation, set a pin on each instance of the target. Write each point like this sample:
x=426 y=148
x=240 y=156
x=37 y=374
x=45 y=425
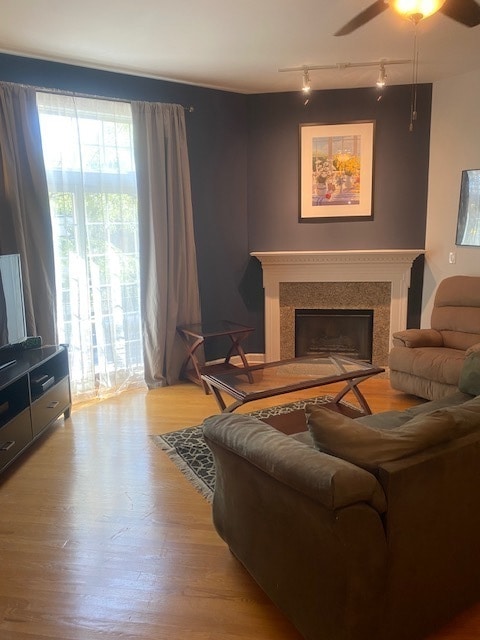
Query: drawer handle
x=53 y=404
x=5 y=446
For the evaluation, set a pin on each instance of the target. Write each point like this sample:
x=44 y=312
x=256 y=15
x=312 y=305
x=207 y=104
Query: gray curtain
x=25 y=224
x=168 y=266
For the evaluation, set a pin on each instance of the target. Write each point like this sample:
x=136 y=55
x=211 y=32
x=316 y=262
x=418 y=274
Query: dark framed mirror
x=468 y=222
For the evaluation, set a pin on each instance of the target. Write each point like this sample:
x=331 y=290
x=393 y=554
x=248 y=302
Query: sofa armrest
x=433 y=518
x=332 y=482
x=413 y=338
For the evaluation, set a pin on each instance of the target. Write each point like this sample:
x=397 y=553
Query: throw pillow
x=370 y=447
x=469 y=381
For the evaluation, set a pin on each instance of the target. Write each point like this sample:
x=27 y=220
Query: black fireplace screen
x=347 y=332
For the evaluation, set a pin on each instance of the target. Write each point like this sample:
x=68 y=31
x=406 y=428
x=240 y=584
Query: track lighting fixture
x=381 y=81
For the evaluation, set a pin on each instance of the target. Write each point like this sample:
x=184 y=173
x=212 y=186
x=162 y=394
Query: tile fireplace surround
x=377 y=279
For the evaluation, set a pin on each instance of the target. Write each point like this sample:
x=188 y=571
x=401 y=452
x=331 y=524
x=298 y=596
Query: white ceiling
x=234 y=45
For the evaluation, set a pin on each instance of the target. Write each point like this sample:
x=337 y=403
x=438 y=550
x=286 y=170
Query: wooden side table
x=195 y=335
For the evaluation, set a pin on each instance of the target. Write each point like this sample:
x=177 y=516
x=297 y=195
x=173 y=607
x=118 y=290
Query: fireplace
x=374 y=279
x=346 y=298
x=347 y=332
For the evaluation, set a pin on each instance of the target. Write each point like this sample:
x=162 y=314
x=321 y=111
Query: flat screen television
x=13 y=327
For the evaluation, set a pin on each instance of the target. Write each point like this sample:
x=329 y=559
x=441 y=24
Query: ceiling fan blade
x=362 y=18
x=466 y=12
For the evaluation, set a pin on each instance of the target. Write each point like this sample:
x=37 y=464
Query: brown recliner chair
x=427 y=362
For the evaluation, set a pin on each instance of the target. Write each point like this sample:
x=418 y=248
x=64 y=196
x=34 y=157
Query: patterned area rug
x=189 y=451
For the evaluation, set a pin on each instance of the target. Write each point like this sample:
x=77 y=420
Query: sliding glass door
x=88 y=153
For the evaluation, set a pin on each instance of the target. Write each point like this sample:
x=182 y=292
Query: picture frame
x=468 y=220
x=336 y=171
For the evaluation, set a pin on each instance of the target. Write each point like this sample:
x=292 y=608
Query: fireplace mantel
x=392 y=266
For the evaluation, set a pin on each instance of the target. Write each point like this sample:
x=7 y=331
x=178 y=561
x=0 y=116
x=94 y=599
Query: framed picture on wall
x=468 y=222
x=336 y=171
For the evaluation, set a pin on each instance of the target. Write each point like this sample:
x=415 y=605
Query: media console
x=34 y=392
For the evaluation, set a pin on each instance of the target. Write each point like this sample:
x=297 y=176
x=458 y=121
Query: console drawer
x=50 y=405
x=14 y=437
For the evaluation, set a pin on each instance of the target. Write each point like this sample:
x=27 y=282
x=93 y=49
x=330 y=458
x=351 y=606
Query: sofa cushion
x=456 y=311
x=421 y=387
x=450 y=400
x=385 y=419
x=462 y=339
x=433 y=363
x=469 y=381
x=370 y=447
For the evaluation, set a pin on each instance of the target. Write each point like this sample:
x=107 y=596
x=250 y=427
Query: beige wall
x=455 y=145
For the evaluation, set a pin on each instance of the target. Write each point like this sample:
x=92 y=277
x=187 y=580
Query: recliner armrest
x=414 y=338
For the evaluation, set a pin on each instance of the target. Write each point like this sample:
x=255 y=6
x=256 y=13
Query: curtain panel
x=24 y=207
x=168 y=266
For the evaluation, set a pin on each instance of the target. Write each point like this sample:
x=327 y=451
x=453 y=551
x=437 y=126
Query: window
x=89 y=159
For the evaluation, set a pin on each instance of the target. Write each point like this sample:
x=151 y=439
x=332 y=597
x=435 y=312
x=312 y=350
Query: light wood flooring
x=102 y=537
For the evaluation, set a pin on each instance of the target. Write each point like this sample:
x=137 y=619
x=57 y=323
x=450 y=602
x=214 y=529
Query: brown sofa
x=351 y=541
x=427 y=362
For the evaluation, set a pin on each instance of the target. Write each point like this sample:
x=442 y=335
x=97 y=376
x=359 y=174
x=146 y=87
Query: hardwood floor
x=102 y=537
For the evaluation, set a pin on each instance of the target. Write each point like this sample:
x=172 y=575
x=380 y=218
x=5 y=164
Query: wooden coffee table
x=246 y=384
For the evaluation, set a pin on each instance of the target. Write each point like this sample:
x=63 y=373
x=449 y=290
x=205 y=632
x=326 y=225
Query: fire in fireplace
x=348 y=332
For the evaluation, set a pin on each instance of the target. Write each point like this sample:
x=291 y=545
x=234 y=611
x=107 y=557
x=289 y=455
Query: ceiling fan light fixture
x=416 y=10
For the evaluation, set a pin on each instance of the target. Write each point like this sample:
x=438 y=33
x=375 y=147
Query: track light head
x=306 y=82
x=382 y=77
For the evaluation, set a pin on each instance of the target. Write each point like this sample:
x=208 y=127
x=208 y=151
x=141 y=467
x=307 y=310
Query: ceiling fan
x=467 y=12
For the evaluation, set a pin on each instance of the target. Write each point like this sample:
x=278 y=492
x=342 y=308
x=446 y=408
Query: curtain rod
x=76 y=94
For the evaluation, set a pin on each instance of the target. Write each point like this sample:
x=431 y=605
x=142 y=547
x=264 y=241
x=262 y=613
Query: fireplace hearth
x=347 y=332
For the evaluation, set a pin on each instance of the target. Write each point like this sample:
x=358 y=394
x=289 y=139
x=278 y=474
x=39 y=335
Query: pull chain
x=413 y=103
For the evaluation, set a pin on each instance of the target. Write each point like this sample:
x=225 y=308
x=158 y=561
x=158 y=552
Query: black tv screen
x=12 y=309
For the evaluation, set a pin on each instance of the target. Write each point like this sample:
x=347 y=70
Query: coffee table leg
x=352 y=385
x=218 y=397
